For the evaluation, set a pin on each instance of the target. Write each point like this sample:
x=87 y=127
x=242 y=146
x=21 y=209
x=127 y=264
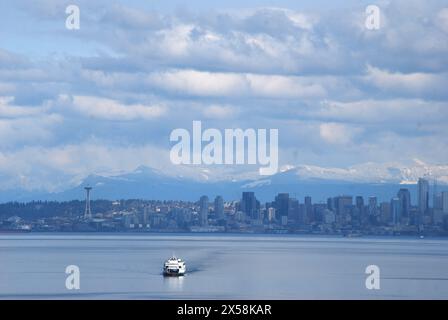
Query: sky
x=103 y=99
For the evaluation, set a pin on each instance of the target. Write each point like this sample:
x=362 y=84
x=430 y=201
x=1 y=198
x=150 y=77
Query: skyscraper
x=219 y=208
x=373 y=209
x=385 y=214
x=423 y=199
x=271 y=214
x=282 y=205
x=395 y=208
x=359 y=202
x=445 y=202
x=344 y=205
x=249 y=205
x=293 y=211
x=203 y=211
x=309 y=214
x=405 y=202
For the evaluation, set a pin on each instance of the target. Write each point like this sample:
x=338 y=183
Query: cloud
x=393 y=112
x=53 y=168
x=19 y=132
x=199 y=83
x=108 y=109
x=340 y=94
x=7 y=110
x=335 y=133
x=220 y=112
x=409 y=84
x=442 y=19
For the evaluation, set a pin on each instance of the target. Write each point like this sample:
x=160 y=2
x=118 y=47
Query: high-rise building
x=203 y=211
x=293 y=211
x=445 y=202
x=271 y=214
x=423 y=199
x=309 y=214
x=359 y=203
x=385 y=213
x=395 y=208
x=405 y=202
x=249 y=205
x=219 y=208
x=281 y=205
x=372 y=209
x=145 y=218
x=438 y=201
x=344 y=206
x=330 y=204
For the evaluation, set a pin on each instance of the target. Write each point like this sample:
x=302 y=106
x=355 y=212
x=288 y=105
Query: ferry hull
x=173 y=273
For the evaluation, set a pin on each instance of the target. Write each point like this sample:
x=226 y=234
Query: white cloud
x=442 y=19
x=301 y=72
x=336 y=133
x=200 y=83
x=8 y=110
x=59 y=167
x=220 y=112
x=175 y=41
x=416 y=83
x=35 y=130
x=108 y=109
x=398 y=112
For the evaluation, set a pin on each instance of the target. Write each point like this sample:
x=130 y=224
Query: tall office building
x=249 y=205
x=343 y=204
x=271 y=214
x=395 y=208
x=330 y=204
x=423 y=199
x=219 y=208
x=294 y=211
x=405 y=202
x=445 y=202
x=359 y=203
x=438 y=201
x=281 y=205
x=203 y=211
x=309 y=214
x=385 y=212
x=372 y=209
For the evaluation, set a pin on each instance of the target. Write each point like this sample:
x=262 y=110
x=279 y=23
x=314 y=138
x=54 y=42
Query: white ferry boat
x=174 y=267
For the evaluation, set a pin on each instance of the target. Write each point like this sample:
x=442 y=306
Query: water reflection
x=174 y=283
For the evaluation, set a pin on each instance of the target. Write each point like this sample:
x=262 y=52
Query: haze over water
x=128 y=266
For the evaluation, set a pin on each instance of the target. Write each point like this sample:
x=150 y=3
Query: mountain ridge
x=319 y=183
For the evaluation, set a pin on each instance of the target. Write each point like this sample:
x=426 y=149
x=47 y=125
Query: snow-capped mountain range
x=372 y=172
x=147 y=183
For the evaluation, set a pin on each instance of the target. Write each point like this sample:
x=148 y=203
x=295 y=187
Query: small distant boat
x=174 y=267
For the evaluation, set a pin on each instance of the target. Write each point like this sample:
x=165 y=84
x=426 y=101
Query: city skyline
x=236 y=151
x=285 y=213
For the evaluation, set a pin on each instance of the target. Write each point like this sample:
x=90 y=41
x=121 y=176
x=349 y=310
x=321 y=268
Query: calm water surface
x=124 y=266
